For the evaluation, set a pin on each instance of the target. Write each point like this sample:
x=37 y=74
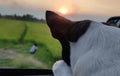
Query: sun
x=63 y=10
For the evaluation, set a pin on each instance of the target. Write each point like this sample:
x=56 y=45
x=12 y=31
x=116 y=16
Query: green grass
x=10 y=29
x=6 y=62
x=49 y=49
x=41 y=34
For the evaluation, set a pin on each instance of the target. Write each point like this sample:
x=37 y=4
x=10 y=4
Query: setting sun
x=63 y=10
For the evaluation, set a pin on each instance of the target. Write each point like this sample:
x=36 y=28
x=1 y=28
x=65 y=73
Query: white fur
x=97 y=52
x=60 y=68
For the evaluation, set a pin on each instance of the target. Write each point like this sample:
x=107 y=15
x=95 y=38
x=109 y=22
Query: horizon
x=77 y=10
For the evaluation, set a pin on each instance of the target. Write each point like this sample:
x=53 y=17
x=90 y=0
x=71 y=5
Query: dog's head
x=65 y=31
x=87 y=46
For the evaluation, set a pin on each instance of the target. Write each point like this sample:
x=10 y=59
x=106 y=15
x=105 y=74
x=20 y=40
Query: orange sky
x=86 y=7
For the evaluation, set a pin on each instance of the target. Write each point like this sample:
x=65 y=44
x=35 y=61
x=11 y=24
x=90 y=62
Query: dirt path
x=5 y=53
x=12 y=54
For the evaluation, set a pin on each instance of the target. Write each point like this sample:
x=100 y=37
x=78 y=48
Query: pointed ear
x=57 y=24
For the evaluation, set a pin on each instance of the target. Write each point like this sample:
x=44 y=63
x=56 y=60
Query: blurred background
x=22 y=24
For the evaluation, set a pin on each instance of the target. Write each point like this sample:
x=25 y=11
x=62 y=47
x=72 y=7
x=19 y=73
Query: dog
x=89 y=48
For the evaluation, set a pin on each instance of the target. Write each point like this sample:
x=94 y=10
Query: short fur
x=94 y=48
x=66 y=31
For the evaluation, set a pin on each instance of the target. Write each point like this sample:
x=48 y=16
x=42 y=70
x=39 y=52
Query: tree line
x=25 y=17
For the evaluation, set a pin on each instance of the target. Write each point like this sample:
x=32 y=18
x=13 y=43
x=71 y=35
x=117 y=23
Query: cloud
x=106 y=7
x=38 y=4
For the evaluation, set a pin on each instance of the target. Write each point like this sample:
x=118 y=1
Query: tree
x=15 y=16
x=42 y=20
x=0 y=15
x=27 y=17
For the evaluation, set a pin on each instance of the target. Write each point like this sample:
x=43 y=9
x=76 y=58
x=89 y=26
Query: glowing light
x=63 y=10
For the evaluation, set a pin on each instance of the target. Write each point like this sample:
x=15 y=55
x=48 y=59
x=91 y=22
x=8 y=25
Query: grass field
x=10 y=29
x=17 y=37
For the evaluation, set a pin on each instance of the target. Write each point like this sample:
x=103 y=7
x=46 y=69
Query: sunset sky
x=98 y=10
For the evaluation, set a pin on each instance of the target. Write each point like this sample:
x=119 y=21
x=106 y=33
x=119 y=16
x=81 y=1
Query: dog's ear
x=63 y=28
x=58 y=24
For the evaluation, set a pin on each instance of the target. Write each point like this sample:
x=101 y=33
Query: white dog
x=89 y=48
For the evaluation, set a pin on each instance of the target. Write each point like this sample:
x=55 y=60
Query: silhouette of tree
x=25 y=17
x=42 y=20
x=0 y=15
